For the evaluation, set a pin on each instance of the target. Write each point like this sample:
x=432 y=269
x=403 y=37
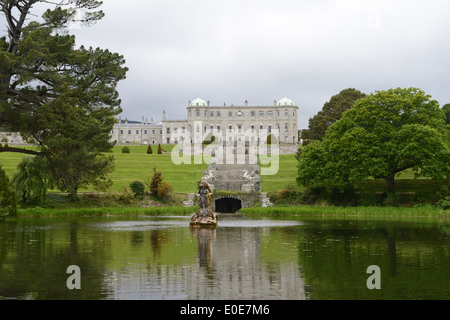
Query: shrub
x=149 y=149
x=155 y=182
x=164 y=190
x=125 y=196
x=125 y=149
x=158 y=187
x=138 y=189
x=159 y=149
x=8 y=203
x=444 y=203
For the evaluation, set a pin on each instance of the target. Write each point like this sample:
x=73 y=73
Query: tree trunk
x=390 y=182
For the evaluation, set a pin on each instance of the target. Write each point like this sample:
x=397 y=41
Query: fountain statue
x=204 y=217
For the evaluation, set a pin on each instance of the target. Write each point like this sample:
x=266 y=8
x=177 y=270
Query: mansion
x=280 y=119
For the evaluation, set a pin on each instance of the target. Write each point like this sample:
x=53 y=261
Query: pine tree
x=159 y=149
x=149 y=149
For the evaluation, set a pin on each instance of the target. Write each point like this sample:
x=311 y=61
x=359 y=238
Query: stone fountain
x=204 y=217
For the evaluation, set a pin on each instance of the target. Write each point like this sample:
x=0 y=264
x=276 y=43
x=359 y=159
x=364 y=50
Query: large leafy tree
x=331 y=112
x=382 y=135
x=63 y=97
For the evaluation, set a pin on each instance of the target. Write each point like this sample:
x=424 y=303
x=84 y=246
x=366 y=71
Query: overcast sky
x=260 y=50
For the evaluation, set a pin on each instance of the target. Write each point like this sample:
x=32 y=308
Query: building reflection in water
x=229 y=267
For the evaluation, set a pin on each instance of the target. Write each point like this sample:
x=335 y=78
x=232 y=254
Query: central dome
x=198 y=103
x=286 y=102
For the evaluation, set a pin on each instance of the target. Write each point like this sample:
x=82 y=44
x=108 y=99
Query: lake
x=161 y=258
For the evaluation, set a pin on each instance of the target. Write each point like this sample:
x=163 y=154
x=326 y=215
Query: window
x=175 y=130
x=183 y=130
x=286 y=128
x=168 y=140
x=261 y=127
x=230 y=129
x=240 y=114
x=261 y=114
x=190 y=114
x=160 y=131
x=121 y=131
x=153 y=131
x=145 y=131
x=270 y=129
x=240 y=128
x=218 y=128
x=278 y=113
x=230 y=114
x=197 y=129
x=168 y=130
x=270 y=114
x=286 y=112
x=252 y=113
x=211 y=129
x=197 y=113
x=253 y=128
x=137 y=131
x=211 y=114
x=129 y=131
x=218 y=114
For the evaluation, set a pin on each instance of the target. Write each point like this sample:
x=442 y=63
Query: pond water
x=271 y=259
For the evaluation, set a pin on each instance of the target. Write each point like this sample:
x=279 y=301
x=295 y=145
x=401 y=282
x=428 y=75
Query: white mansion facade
x=280 y=119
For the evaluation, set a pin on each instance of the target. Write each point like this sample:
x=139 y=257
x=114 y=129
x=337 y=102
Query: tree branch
x=19 y=150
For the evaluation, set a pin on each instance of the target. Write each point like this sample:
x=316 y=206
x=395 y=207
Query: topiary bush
x=125 y=149
x=138 y=189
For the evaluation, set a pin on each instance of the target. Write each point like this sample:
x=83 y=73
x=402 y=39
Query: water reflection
x=162 y=258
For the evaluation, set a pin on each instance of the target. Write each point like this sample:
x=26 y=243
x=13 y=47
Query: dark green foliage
x=331 y=112
x=32 y=180
x=63 y=97
x=159 y=149
x=8 y=203
x=138 y=189
x=380 y=136
x=446 y=110
x=149 y=149
x=125 y=149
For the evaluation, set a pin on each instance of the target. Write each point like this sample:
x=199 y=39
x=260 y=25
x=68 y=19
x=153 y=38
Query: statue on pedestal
x=204 y=217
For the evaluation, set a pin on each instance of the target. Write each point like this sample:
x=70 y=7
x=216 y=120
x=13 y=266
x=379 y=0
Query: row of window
x=239 y=129
x=138 y=131
x=239 y=114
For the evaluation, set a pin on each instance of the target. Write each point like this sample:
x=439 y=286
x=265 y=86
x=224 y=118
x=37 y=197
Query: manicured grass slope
x=138 y=165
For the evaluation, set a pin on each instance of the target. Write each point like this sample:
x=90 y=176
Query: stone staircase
x=230 y=177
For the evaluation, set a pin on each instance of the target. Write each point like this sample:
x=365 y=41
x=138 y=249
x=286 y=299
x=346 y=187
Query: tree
x=63 y=97
x=382 y=135
x=159 y=149
x=331 y=112
x=446 y=110
x=31 y=182
x=8 y=205
x=149 y=149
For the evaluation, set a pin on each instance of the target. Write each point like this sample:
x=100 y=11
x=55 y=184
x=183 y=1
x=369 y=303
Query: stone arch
x=227 y=204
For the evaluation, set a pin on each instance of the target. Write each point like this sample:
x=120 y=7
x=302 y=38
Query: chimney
x=120 y=120
x=126 y=120
x=209 y=103
x=151 y=121
x=274 y=103
x=143 y=121
x=246 y=103
x=164 y=115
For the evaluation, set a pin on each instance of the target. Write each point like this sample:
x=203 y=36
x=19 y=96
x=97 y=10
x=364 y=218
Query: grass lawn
x=138 y=165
